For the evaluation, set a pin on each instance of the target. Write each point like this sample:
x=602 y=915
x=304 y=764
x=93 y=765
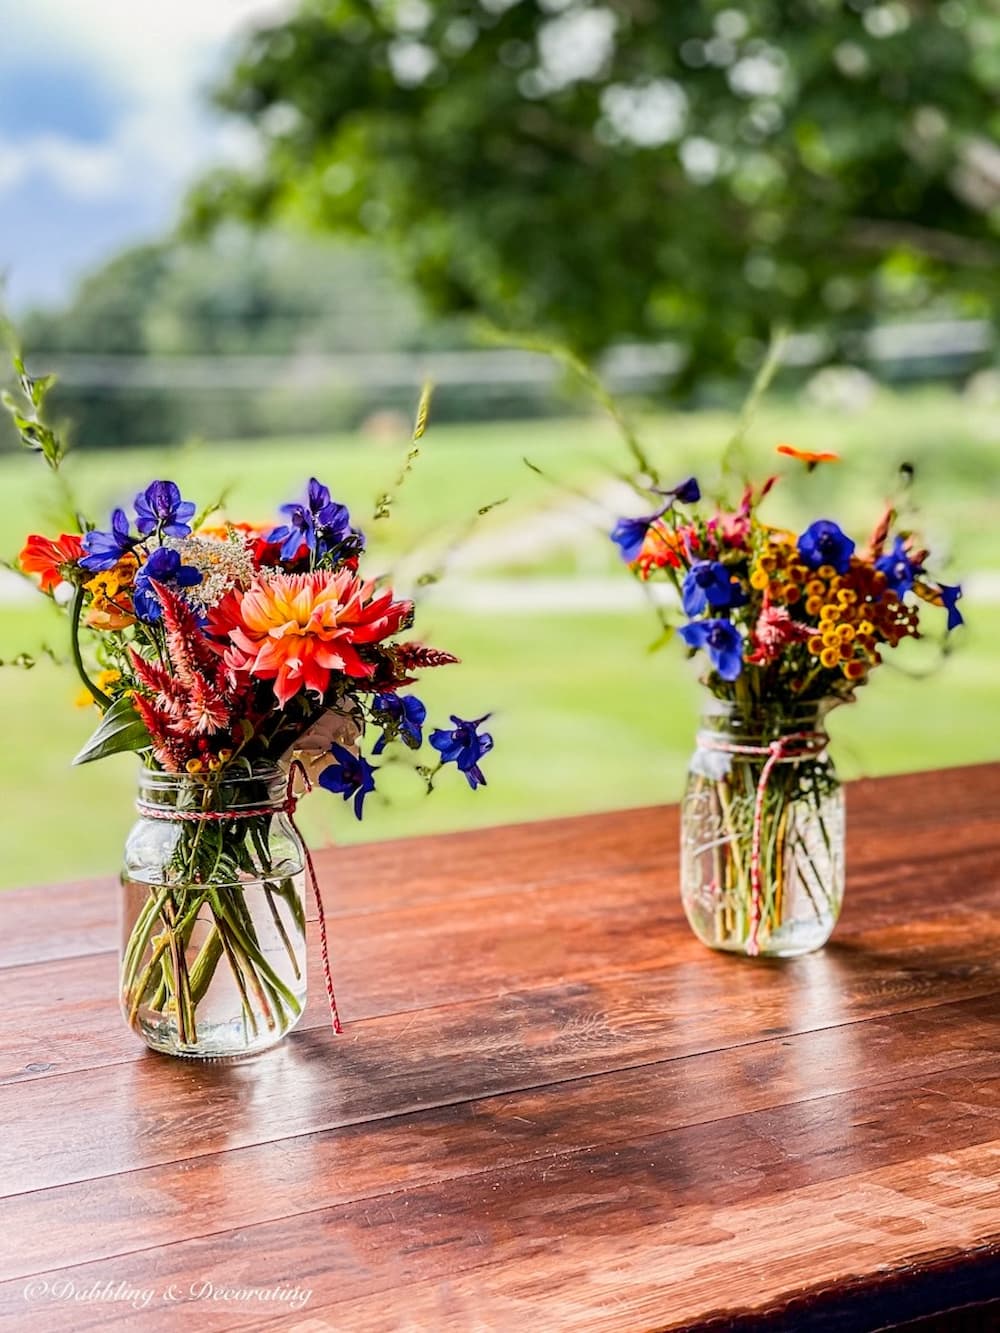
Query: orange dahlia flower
x=296 y=629
x=43 y=556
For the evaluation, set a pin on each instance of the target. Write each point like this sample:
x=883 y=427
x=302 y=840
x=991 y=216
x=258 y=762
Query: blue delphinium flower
x=351 y=775
x=163 y=566
x=687 y=493
x=950 y=594
x=105 y=549
x=721 y=640
x=899 y=570
x=628 y=534
x=159 y=508
x=709 y=583
x=318 y=522
x=464 y=746
x=823 y=543
x=405 y=716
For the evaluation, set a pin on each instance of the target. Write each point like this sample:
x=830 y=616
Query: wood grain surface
x=551 y=1107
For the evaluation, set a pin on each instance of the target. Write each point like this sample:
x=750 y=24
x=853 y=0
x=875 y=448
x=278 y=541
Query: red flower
x=43 y=556
x=190 y=704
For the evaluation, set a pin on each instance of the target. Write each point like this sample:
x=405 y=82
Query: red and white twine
x=794 y=746
x=288 y=806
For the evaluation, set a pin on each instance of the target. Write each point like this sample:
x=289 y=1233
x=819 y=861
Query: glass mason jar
x=213 y=960
x=762 y=831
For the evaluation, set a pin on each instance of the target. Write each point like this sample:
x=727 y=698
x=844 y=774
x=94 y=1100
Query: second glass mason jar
x=213 y=960
x=762 y=831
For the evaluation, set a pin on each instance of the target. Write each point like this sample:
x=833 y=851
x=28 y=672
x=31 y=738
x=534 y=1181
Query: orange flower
x=296 y=629
x=805 y=456
x=665 y=546
x=222 y=532
x=42 y=555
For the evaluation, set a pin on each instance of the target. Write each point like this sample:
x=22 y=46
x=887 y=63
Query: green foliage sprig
x=33 y=430
x=702 y=172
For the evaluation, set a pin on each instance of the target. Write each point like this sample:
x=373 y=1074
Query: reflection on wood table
x=551 y=1107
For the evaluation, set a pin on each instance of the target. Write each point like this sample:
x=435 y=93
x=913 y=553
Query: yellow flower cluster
x=111 y=606
x=780 y=569
x=844 y=637
x=104 y=680
x=851 y=613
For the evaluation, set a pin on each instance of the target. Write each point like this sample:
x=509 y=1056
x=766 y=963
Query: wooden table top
x=551 y=1107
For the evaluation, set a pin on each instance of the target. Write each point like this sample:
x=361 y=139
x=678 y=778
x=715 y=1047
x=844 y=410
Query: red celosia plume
x=195 y=698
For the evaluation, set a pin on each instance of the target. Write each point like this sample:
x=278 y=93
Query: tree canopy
x=634 y=169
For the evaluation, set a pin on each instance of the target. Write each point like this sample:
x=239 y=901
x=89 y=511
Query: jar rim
x=157 y=779
x=264 y=787
x=766 y=719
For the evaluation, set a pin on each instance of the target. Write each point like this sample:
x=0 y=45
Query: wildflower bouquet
x=788 y=624
x=240 y=664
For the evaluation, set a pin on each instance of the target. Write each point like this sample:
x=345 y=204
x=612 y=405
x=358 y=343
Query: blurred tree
x=108 y=315
x=634 y=169
x=240 y=294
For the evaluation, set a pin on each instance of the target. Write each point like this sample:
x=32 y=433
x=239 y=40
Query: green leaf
x=661 y=640
x=40 y=388
x=120 y=729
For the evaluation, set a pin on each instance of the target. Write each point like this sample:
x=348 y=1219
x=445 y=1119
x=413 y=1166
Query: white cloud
x=158 y=61
x=141 y=44
x=82 y=170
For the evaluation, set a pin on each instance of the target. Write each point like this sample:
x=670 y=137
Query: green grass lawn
x=954 y=449
x=459 y=470
x=584 y=717
x=954 y=446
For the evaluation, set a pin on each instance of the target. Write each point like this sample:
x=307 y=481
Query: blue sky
x=103 y=118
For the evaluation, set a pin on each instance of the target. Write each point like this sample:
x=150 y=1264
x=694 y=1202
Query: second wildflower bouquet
x=241 y=664
x=791 y=623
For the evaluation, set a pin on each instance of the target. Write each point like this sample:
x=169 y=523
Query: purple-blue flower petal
x=721 y=640
x=464 y=745
x=159 y=508
x=105 y=549
x=824 y=543
x=628 y=535
x=350 y=775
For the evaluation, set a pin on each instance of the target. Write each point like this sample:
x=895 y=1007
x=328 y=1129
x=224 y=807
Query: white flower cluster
x=224 y=563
